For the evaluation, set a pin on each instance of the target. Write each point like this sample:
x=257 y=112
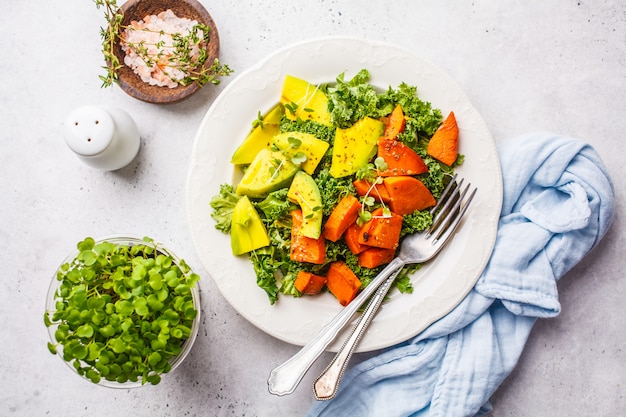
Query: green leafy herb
x=122 y=311
x=264 y=270
x=258 y=121
x=223 y=205
x=332 y=189
x=276 y=205
x=294 y=142
x=380 y=164
x=364 y=217
x=292 y=107
x=416 y=222
x=299 y=158
x=355 y=99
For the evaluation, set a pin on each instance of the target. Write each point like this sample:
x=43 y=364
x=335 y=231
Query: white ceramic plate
x=439 y=286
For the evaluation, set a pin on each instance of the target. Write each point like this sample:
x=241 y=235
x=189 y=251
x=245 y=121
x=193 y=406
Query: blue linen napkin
x=558 y=203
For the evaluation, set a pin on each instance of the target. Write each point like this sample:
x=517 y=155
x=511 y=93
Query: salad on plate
x=331 y=180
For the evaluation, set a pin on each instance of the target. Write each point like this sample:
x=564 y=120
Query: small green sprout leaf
x=380 y=163
x=292 y=107
x=364 y=217
x=369 y=201
x=84 y=331
x=258 y=121
x=122 y=312
x=299 y=158
x=294 y=142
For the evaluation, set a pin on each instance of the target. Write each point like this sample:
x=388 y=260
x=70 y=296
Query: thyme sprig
x=183 y=54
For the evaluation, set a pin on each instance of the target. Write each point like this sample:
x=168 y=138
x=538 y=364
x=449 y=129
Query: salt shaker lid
x=89 y=130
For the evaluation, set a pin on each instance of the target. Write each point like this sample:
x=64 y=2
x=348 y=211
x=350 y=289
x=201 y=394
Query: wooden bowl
x=130 y=82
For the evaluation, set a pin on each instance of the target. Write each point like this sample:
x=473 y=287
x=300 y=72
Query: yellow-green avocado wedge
x=247 y=231
x=293 y=142
x=305 y=192
x=259 y=138
x=303 y=100
x=269 y=171
x=354 y=146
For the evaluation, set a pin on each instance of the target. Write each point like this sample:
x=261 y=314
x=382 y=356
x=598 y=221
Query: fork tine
x=444 y=194
x=453 y=219
x=448 y=198
x=415 y=249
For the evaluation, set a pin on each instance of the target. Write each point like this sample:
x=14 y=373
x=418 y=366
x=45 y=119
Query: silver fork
x=419 y=249
x=415 y=248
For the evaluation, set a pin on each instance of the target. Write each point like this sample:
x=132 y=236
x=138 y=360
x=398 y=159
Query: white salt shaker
x=106 y=138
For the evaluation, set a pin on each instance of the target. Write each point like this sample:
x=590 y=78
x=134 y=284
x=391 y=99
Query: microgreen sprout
x=292 y=107
x=386 y=213
x=366 y=172
x=369 y=173
x=275 y=170
x=299 y=158
x=364 y=217
x=258 y=121
x=368 y=201
x=122 y=312
x=316 y=208
x=380 y=163
x=294 y=142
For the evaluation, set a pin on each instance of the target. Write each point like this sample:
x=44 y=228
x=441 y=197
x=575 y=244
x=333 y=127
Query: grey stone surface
x=555 y=65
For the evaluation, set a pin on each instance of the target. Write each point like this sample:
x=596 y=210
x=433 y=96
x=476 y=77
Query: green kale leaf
x=264 y=270
x=223 y=205
x=422 y=118
x=332 y=189
x=416 y=222
x=276 y=205
x=349 y=101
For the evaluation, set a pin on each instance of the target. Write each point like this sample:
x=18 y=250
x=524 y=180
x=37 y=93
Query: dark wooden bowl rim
x=130 y=82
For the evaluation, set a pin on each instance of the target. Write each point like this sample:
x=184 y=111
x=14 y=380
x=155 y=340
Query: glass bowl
x=119 y=322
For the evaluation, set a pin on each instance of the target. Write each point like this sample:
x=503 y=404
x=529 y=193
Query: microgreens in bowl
x=122 y=311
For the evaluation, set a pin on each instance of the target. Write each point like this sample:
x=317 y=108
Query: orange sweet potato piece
x=309 y=283
x=373 y=257
x=378 y=191
x=342 y=282
x=343 y=215
x=395 y=123
x=444 y=145
x=407 y=194
x=351 y=237
x=381 y=231
x=400 y=159
x=305 y=249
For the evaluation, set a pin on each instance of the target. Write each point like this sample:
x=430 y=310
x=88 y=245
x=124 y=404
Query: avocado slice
x=305 y=101
x=293 y=142
x=305 y=192
x=247 y=231
x=259 y=138
x=355 y=146
x=269 y=171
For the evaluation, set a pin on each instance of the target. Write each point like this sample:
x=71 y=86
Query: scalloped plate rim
x=296 y=321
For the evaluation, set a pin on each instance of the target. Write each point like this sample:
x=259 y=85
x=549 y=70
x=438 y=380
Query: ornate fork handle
x=326 y=385
x=285 y=378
